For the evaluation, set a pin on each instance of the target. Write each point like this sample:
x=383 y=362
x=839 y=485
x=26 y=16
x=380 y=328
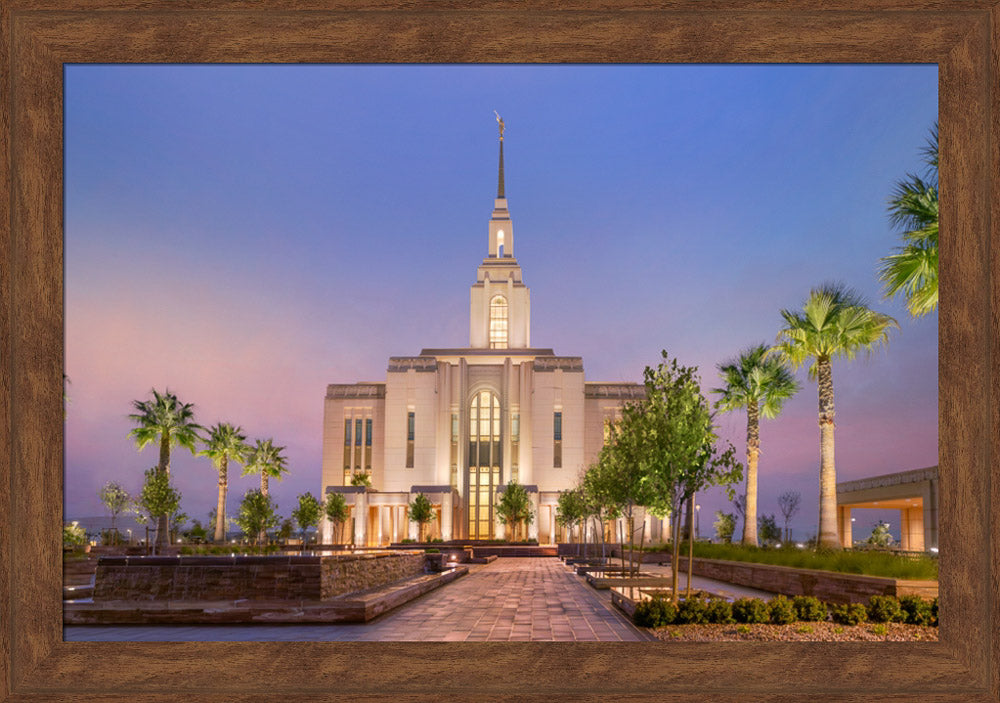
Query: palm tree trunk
x=162 y=528
x=262 y=537
x=753 y=452
x=828 y=538
x=220 y=508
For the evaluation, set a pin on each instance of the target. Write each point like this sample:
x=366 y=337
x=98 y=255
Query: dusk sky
x=245 y=235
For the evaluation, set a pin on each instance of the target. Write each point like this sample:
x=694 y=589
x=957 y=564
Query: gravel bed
x=797 y=632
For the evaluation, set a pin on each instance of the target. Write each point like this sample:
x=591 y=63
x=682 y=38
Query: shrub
x=782 y=610
x=884 y=609
x=654 y=612
x=692 y=611
x=750 y=610
x=743 y=629
x=850 y=614
x=432 y=550
x=720 y=612
x=74 y=535
x=916 y=610
x=810 y=608
x=934 y=612
x=879 y=629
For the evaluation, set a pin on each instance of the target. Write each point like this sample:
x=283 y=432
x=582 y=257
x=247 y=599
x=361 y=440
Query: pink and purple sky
x=245 y=235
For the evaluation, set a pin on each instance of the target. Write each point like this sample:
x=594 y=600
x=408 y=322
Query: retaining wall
x=249 y=577
x=829 y=586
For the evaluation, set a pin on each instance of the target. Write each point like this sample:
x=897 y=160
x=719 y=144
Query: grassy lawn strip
x=870 y=563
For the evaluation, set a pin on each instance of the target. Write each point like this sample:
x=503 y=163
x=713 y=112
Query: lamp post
x=697 y=521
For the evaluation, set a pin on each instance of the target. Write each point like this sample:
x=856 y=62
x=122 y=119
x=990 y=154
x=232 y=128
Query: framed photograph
x=39 y=41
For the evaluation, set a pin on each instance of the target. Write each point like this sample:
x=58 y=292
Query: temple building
x=458 y=424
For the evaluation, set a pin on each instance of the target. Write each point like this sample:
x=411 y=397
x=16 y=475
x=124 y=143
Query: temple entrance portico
x=913 y=493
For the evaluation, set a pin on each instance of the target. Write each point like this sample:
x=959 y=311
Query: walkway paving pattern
x=511 y=599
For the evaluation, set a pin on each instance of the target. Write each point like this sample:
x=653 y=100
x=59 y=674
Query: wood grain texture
x=39 y=36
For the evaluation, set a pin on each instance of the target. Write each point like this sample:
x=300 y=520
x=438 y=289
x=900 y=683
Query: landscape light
x=934 y=549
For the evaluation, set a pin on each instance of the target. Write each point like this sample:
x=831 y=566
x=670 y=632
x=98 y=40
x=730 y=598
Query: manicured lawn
x=871 y=563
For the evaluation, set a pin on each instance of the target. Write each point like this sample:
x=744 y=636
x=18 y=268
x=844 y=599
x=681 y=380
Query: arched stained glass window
x=498 y=322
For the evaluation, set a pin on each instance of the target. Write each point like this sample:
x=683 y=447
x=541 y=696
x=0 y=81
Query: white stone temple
x=458 y=424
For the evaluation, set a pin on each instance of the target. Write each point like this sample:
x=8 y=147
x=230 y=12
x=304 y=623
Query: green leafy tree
x=337 y=512
x=116 y=499
x=165 y=420
x=225 y=443
x=629 y=485
x=258 y=513
x=266 y=460
x=514 y=509
x=158 y=500
x=913 y=209
x=725 y=526
x=598 y=502
x=768 y=529
x=880 y=536
x=421 y=512
x=286 y=529
x=177 y=522
x=74 y=535
x=307 y=514
x=759 y=384
x=571 y=509
x=680 y=447
x=197 y=534
x=834 y=322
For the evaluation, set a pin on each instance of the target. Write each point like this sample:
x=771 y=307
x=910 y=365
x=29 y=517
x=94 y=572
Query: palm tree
x=166 y=419
x=834 y=322
x=265 y=459
x=224 y=443
x=761 y=384
x=913 y=208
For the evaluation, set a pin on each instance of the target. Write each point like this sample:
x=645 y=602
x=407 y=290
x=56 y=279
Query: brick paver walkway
x=511 y=599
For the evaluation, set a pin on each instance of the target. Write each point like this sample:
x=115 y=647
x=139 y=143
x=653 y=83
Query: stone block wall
x=189 y=578
x=342 y=574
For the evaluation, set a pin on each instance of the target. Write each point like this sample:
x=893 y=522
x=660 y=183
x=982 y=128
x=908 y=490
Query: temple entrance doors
x=483 y=469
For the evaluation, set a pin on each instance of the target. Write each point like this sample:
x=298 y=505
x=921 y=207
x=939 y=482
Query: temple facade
x=459 y=424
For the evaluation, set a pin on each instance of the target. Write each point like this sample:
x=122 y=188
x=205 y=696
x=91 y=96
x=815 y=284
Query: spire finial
x=500 y=175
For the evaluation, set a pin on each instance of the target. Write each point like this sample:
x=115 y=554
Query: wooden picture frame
x=38 y=36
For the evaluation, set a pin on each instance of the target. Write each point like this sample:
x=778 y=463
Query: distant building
x=458 y=424
x=913 y=493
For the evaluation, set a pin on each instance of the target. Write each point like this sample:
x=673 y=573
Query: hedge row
x=780 y=610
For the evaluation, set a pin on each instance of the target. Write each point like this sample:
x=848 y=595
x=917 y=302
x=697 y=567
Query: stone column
x=533 y=529
x=446 y=516
x=846 y=536
x=413 y=531
x=361 y=519
x=381 y=516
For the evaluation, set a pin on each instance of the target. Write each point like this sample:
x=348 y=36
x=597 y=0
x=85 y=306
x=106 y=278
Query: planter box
x=829 y=586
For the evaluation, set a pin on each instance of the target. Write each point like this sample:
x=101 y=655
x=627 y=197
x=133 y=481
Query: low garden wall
x=249 y=577
x=829 y=586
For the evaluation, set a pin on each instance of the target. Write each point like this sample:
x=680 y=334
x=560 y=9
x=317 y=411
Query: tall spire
x=500 y=177
x=500 y=174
